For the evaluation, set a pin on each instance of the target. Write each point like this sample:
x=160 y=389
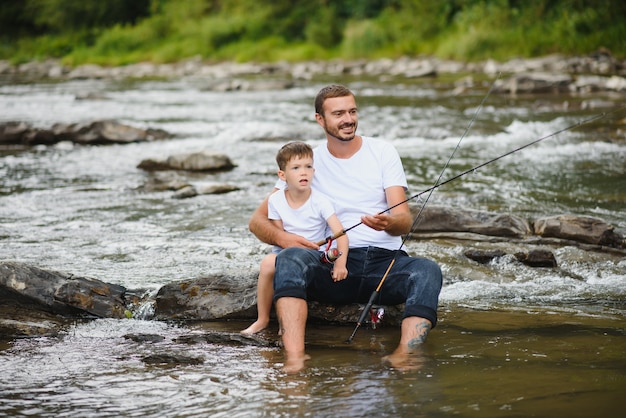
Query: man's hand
x=399 y=221
x=378 y=222
x=286 y=240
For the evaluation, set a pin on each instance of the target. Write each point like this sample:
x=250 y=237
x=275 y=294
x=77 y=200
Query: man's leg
x=407 y=355
x=414 y=332
x=292 y=315
x=417 y=283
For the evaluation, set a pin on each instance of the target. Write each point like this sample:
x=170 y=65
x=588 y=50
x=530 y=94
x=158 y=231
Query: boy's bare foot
x=257 y=326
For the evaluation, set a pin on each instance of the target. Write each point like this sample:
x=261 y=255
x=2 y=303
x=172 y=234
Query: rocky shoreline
x=599 y=71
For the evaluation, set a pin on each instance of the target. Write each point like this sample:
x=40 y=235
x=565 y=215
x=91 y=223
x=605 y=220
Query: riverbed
x=513 y=340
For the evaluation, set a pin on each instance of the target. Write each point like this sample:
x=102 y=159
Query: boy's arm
x=342 y=241
x=339 y=270
x=268 y=232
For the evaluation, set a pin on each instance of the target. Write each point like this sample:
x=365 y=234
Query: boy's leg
x=265 y=294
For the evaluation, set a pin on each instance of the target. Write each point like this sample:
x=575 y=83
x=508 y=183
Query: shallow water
x=478 y=363
x=513 y=340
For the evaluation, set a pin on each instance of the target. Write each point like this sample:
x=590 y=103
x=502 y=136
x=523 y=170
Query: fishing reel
x=330 y=254
x=376 y=315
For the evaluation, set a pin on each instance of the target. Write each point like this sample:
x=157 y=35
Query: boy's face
x=298 y=173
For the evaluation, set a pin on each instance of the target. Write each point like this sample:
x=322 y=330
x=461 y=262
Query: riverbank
x=601 y=63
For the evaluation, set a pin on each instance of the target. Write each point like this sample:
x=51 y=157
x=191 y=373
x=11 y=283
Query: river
x=513 y=340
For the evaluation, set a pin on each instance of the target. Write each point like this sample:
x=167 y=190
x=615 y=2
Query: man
x=363 y=177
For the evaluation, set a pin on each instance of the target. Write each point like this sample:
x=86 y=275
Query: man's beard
x=336 y=133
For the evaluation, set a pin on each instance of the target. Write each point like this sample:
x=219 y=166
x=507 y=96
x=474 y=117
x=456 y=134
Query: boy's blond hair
x=292 y=150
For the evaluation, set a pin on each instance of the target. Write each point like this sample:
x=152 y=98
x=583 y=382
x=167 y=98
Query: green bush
x=122 y=31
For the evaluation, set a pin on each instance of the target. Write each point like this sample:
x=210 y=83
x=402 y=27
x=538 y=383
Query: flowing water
x=513 y=340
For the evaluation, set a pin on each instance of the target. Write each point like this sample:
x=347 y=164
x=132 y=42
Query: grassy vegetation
x=86 y=31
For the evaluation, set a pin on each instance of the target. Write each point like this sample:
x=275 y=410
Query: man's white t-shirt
x=309 y=220
x=356 y=186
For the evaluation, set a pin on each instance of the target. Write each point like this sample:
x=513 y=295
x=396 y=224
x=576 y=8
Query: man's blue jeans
x=413 y=281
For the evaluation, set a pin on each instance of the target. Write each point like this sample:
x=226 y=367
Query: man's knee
x=423 y=269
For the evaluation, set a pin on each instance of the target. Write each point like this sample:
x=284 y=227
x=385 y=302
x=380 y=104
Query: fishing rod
x=473 y=169
x=438 y=184
x=376 y=291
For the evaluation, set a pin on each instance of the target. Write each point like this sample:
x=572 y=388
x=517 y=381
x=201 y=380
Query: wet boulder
x=105 y=132
x=534 y=83
x=226 y=338
x=483 y=256
x=183 y=188
x=93 y=133
x=532 y=258
x=579 y=228
x=537 y=258
x=195 y=161
x=229 y=295
x=232 y=295
x=206 y=188
x=59 y=293
x=170 y=359
x=447 y=219
x=163 y=181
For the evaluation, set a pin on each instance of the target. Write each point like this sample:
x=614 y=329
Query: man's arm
x=267 y=231
x=399 y=220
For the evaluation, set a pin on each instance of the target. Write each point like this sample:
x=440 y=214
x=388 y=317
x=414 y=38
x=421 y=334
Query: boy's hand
x=339 y=272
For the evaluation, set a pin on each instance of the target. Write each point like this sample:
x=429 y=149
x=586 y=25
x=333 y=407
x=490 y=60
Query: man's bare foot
x=257 y=326
x=295 y=362
x=404 y=361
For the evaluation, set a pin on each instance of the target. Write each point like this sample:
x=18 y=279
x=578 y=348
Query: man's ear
x=281 y=175
x=320 y=119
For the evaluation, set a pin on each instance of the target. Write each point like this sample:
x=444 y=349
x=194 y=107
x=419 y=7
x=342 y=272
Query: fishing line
x=441 y=183
x=473 y=169
x=417 y=218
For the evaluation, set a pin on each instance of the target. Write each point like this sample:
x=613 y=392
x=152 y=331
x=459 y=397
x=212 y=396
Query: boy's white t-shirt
x=309 y=220
x=356 y=186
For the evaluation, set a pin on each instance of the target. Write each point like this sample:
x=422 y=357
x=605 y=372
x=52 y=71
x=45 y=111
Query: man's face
x=340 y=118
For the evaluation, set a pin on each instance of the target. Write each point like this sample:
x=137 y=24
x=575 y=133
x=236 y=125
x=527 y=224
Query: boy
x=297 y=210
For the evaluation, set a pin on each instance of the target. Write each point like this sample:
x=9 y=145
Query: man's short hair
x=329 y=92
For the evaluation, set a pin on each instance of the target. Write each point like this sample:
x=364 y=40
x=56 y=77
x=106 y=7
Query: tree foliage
x=118 y=31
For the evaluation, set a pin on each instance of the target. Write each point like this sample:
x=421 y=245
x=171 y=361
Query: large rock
x=579 y=228
x=448 y=219
x=534 y=83
x=232 y=295
x=60 y=293
x=195 y=161
x=229 y=295
x=93 y=133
